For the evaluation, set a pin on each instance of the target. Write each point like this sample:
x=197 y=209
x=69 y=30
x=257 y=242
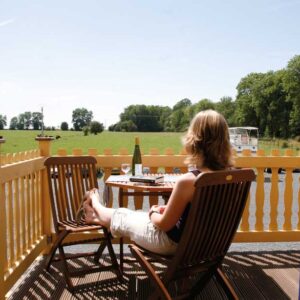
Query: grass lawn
x=22 y=140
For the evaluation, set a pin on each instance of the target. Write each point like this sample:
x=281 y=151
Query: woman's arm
x=182 y=194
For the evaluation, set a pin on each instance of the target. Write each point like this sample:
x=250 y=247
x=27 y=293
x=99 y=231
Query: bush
x=124 y=126
x=64 y=126
x=85 y=130
x=112 y=127
x=50 y=128
x=96 y=127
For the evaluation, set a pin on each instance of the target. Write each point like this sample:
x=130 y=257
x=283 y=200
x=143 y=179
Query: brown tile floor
x=254 y=275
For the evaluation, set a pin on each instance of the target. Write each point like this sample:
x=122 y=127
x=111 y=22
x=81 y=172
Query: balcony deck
x=254 y=273
x=261 y=271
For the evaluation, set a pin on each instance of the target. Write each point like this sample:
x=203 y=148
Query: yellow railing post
x=45 y=150
x=2 y=235
x=288 y=195
x=77 y=152
x=274 y=198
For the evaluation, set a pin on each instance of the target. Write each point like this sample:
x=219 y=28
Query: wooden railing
x=10 y=158
x=271 y=214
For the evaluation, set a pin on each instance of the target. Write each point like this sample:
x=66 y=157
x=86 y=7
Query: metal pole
x=42 y=133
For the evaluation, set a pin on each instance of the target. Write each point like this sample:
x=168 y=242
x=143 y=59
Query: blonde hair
x=207 y=141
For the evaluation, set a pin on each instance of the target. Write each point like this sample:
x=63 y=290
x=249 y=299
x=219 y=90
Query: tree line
x=82 y=120
x=24 y=120
x=269 y=101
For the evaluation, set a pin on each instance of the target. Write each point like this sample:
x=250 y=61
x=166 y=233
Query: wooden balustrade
x=22 y=222
x=26 y=219
x=11 y=158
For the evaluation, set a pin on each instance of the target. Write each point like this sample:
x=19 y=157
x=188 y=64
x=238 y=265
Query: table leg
x=121 y=239
x=106 y=195
x=166 y=197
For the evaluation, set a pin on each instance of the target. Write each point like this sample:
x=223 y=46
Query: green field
x=22 y=140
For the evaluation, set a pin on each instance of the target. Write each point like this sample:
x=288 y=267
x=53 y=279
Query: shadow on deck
x=254 y=275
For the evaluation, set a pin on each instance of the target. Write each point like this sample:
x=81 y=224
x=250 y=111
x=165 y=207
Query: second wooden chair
x=69 y=178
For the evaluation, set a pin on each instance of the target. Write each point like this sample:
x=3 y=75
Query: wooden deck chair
x=69 y=178
x=214 y=217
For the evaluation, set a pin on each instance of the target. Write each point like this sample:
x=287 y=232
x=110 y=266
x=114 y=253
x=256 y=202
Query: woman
x=208 y=147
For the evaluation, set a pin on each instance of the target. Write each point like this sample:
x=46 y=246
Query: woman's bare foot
x=95 y=198
x=100 y=214
x=90 y=215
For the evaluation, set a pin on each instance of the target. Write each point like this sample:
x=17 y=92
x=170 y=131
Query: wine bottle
x=137 y=159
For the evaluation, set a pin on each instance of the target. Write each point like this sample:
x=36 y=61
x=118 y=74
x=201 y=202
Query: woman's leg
x=124 y=222
x=137 y=226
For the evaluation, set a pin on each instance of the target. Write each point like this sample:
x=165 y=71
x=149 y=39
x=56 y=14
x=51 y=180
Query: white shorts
x=137 y=226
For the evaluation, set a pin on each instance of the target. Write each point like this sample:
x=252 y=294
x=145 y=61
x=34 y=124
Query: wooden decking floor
x=254 y=275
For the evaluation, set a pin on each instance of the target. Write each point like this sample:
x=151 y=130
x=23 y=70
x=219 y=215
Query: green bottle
x=137 y=168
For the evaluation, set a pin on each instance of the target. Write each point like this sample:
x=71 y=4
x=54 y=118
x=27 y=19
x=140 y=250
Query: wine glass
x=125 y=168
x=146 y=170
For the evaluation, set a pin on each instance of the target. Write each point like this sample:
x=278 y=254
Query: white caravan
x=244 y=138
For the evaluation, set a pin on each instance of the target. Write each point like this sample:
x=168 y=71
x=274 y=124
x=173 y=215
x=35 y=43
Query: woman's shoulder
x=186 y=179
x=185 y=187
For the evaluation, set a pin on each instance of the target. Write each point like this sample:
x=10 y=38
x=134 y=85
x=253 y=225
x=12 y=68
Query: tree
x=64 y=126
x=184 y=111
x=96 y=127
x=261 y=102
x=275 y=111
x=203 y=104
x=245 y=110
x=139 y=115
x=178 y=120
x=164 y=113
x=27 y=119
x=226 y=106
x=182 y=104
x=180 y=117
x=85 y=130
x=21 y=122
x=13 y=123
x=36 y=120
x=291 y=83
x=81 y=117
x=142 y=117
x=2 y=122
x=125 y=126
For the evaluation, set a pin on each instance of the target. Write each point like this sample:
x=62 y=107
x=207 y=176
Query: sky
x=107 y=55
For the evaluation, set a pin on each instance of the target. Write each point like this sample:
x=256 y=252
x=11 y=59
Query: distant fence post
x=44 y=144
x=2 y=234
x=2 y=141
x=45 y=150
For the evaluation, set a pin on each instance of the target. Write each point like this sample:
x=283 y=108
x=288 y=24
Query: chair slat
x=70 y=191
x=225 y=219
x=76 y=185
x=214 y=236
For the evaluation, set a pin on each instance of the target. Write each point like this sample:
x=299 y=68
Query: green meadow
x=22 y=140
